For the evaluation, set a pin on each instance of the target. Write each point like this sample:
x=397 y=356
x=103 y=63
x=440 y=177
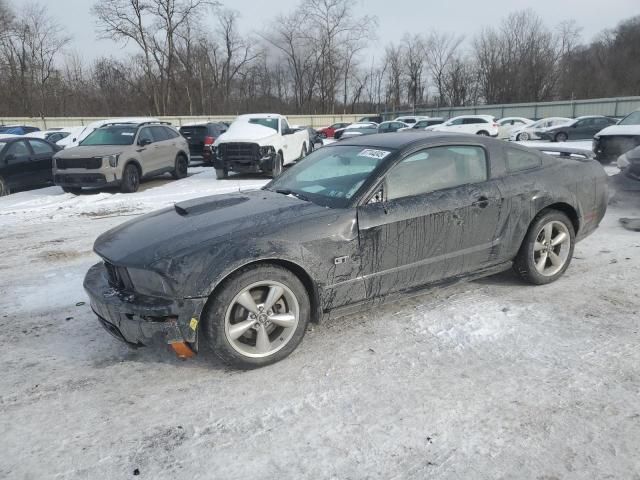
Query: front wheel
x=4 y=188
x=547 y=249
x=522 y=137
x=130 y=179
x=276 y=170
x=258 y=317
x=561 y=137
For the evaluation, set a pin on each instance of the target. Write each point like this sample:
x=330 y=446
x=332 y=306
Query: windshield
x=631 y=119
x=265 y=122
x=111 y=136
x=330 y=176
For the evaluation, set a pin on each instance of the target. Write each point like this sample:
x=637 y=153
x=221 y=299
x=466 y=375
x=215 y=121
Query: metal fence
x=615 y=107
x=52 y=122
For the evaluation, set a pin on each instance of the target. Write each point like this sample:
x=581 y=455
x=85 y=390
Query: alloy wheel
x=551 y=248
x=261 y=319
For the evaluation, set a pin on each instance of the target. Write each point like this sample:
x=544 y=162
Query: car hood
x=200 y=223
x=620 y=130
x=91 y=151
x=247 y=132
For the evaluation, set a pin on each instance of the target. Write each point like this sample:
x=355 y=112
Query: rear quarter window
x=519 y=160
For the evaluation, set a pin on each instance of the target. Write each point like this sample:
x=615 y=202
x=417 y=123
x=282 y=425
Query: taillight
x=208 y=141
x=496 y=125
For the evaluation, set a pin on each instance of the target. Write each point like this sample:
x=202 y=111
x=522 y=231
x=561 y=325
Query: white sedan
x=474 y=124
x=509 y=124
x=529 y=132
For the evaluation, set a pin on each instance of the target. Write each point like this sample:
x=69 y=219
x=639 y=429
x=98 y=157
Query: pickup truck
x=259 y=143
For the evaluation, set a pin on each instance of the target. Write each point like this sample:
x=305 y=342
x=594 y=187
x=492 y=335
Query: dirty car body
x=379 y=240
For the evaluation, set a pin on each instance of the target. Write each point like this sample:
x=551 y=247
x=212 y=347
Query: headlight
x=148 y=283
x=266 y=151
x=112 y=159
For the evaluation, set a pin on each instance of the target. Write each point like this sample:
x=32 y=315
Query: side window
x=285 y=125
x=159 y=134
x=457 y=121
x=18 y=150
x=40 y=148
x=145 y=134
x=436 y=169
x=170 y=133
x=518 y=160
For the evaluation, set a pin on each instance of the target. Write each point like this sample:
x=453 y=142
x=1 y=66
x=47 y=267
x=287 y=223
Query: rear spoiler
x=565 y=151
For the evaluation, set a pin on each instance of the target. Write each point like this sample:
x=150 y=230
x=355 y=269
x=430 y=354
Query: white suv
x=474 y=124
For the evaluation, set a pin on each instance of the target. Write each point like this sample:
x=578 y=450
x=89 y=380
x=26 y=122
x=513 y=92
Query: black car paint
x=575 y=130
x=30 y=170
x=349 y=256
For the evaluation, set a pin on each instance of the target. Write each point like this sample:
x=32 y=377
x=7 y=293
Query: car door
x=165 y=148
x=150 y=154
x=581 y=129
x=437 y=219
x=41 y=160
x=17 y=170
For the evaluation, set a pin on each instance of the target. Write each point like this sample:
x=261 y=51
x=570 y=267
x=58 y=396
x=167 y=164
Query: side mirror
x=144 y=142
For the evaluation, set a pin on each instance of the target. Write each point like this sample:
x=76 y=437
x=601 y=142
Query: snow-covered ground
x=490 y=379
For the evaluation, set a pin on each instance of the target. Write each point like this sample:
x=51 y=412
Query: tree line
x=316 y=59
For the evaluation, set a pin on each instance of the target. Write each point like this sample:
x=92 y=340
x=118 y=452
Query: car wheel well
x=294 y=268
x=565 y=208
x=134 y=163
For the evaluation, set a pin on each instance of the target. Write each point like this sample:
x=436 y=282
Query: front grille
x=81 y=179
x=88 y=163
x=118 y=277
x=611 y=147
x=239 y=152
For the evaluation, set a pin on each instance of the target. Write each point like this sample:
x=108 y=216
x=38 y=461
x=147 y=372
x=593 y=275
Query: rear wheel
x=483 y=133
x=182 y=167
x=130 y=179
x=547 y=249
x=303 y=153
x=257 y=317
x=221 y=173
x=4 y=188
x=561 y=137
x=72 y=190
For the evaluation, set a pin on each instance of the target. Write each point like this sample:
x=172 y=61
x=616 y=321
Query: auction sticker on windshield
x=378 y=154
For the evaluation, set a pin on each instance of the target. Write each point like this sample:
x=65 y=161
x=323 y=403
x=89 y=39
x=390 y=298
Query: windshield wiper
x=286 y=191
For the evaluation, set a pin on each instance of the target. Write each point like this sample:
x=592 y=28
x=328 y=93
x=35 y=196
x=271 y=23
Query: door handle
x=481 y=202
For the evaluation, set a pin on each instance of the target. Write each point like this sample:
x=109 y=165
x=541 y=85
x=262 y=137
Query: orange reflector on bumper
x=182 y=350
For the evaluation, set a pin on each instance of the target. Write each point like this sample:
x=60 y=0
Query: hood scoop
x=206 y=204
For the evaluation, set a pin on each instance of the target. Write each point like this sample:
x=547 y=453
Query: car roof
x=405 y=139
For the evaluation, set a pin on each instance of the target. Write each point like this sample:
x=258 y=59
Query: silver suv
x=121 y=154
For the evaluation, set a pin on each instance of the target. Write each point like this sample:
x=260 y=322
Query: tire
x=561 y=137
x=483 y=133
x=522 y=137
x=182 y=167
x=72 y=190
x=529 y=260
x=130 y=179
x=4 y=188
x=277 y=166
x=221 y=173
x=242 y=348
x=303 y=153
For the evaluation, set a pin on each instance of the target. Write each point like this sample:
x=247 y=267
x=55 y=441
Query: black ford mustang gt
x=353 y=223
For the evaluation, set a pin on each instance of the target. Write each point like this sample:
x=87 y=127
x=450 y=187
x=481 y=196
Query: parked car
x=616 y=140
x=371 y=119
x=53 y=135
x=315 y=139
x=530 y=132
x=410 y=119
x=121 y=154
x=509 y=124
x=24 y=163
x=328 y=132
x=392 y=126
x=429 y=122
x=201 y=137
x=17 y=129
x=629 y=163
x=485 y=125
x=259 y=143
x=356 y=132
x=579 y=129
x=352 y=225
x=78 y=135
x=338 y=133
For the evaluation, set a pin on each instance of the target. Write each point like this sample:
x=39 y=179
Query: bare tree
x=441 y=56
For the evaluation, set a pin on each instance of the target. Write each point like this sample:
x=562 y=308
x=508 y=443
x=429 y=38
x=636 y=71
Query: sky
x=465 y=17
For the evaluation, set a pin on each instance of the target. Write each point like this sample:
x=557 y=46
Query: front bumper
x=81 y=180
x=138 y=319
